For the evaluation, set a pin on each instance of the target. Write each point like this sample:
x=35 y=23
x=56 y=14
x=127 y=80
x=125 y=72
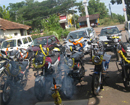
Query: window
x=25 y=40
x=29 y=39
x=9 y=43
x=49 y=41
x=16 y=33
x=19 y=42
x=53 y=38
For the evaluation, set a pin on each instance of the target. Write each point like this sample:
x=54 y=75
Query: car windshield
x=39 y=41
x=109 y=31
x=9 y=43
x=77 y=35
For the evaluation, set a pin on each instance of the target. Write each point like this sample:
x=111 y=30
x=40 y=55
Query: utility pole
x=86 y=10
x=110 y=10
x=124 y=9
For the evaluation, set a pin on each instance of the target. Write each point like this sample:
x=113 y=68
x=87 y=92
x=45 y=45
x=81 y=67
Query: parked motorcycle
x=101 y=63
x=125 y=63
x=96 y=46
x=115 y=44
x=45 y=61
x=17 y=73
x=76 y=68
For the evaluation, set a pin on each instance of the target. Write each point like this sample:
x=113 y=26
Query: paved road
x=113 y=93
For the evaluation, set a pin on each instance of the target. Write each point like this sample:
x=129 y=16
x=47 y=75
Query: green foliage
x=120 y=18
x=96 y=7
x=31 y=12
x=108 y=21
x=127 y=2
x=5 y=12
x=52 y=26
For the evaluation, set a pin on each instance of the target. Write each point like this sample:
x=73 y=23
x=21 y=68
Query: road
x=113 y=92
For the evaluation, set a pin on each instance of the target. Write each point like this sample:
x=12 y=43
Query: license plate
x=106 y=42
x=128 y=53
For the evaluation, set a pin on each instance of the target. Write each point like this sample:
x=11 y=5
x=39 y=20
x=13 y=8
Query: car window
x=53 y=38
x=39 y=41
x=19 y=42
x=29 y=39
x=109 y=31
x=9 y=43
x=89 y=31
x=49 y=41
x=25 y=40
x=77 y=35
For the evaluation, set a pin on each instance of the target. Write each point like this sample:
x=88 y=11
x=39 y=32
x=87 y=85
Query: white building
x=11 y=29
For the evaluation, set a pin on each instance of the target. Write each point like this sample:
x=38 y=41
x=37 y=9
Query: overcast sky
x=115 y=8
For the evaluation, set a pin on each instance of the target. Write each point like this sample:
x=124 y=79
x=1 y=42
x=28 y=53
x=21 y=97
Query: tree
x=127 y=2
x=32 y=12
x=52 y=25
x=96 y=7
x=5 y=12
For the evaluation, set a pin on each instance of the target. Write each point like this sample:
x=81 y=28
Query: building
x=11 y=29
x=94 y=19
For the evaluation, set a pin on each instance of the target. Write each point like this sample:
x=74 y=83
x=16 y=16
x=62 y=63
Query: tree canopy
x=95 y=7
x=127 y=2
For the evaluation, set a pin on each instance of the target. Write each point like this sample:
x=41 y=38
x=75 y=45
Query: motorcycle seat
x=54 y=58
x=77 y=55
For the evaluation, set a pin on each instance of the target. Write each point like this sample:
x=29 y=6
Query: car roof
x=108 y=27
x=81 y=29
x=18 y=37
x=46 y=36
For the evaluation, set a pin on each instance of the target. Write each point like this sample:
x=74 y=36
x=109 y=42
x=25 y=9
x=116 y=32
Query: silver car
x=87 y=34
x=106 y=32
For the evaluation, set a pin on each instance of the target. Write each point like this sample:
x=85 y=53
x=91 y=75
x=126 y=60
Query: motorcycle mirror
x=54 y=82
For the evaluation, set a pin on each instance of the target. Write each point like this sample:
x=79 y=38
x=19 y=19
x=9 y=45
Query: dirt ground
x=113 y=92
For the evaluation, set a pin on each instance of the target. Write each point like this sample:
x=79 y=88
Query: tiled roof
x=6 y=24
x=91 y=17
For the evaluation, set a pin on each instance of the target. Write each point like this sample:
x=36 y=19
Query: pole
x=86 y=10
x=124 y=9
x=110 y=10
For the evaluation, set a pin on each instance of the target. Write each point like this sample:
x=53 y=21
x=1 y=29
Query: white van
x=15 y=43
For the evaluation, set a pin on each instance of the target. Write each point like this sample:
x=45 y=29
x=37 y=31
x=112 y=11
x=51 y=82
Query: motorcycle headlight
x=96 y=59
x=70 y=62
x=77 y=47
x=115 y=40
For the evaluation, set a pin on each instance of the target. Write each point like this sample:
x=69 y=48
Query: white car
x=87 y=34
x=16 y=43
x=127 y=28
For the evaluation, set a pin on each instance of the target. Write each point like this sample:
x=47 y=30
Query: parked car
x=46 y=41
x=107 y=32
x=17 y=42
x=127 y=28
x=87 y=34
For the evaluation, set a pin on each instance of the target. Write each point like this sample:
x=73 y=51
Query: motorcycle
x=76 y=68
x=101 y=63
x=47 y=62
x=114 y=43
x=124 y=63
x=96 y=46
x=17 y=73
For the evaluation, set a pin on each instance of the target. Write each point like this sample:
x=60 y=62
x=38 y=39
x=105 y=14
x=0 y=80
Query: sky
x=114 y=8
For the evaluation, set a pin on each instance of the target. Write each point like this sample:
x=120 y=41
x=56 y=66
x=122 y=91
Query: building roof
x=91 y=17
x=6 y=24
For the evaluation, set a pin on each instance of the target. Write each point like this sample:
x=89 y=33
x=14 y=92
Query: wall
x=11 y=33
x=1 y=34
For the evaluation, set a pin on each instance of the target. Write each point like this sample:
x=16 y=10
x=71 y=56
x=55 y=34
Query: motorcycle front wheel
x=96 y=87
x=7 y=93
x=117 y=54
x=126 y=80
x=39 y=88
x=67 y=87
